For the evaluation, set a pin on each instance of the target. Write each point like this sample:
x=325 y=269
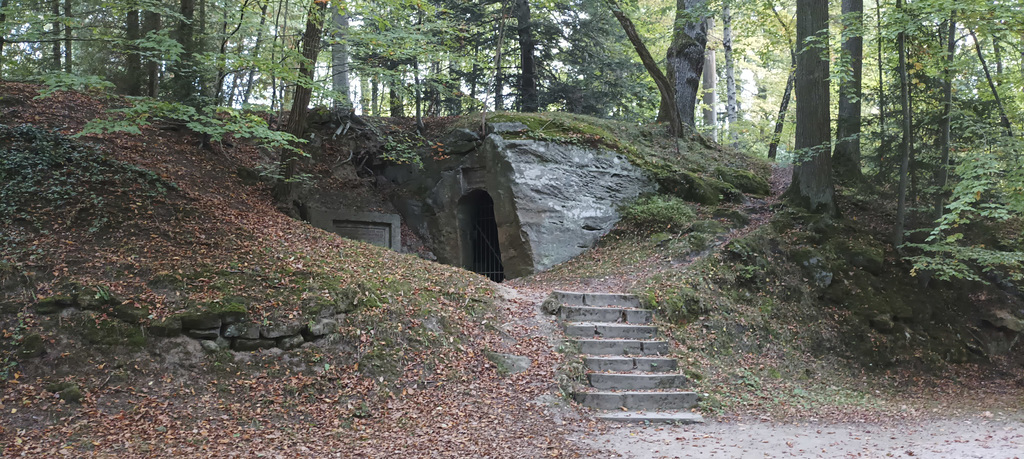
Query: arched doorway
x=479 y=235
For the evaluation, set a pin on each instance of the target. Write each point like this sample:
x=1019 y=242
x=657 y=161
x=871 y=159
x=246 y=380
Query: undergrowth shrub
x=658 y=213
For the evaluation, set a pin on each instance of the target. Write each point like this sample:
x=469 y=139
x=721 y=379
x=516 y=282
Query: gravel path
x=976 y=437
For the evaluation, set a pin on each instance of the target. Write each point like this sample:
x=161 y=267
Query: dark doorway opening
x=480 y=251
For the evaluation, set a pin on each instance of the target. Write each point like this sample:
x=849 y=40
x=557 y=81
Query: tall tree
x=339 y=54
x=846 y=158
x=184 y=83
x=133 y=59
x=1003 y=119
x=780 y=119
x=942 y=172
x=731 y=104
x=906 y=145
x=151 y=25
x=528 y=68
x=310 y=45
x=685 y=57
x=669 y=107
x=710 y=86
x=67 y=36
x=812 y=186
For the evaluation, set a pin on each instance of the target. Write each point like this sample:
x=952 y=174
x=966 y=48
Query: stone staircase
x=629 y=378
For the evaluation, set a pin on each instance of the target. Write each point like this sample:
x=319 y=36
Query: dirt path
x=976 y=437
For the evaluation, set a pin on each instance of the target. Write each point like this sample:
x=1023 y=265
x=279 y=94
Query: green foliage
x=213 y=121
x=60 y=81
x=658 y=213
x=989 y=193
x=44 y=174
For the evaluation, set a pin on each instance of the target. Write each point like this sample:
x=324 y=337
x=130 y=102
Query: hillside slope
x=119 y=250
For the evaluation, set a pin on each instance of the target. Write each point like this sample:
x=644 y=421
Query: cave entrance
x=480 y=251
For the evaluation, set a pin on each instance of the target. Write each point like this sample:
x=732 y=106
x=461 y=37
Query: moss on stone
x=746 y=181
x=31 y=346
x=112 y=333
x=54 y=304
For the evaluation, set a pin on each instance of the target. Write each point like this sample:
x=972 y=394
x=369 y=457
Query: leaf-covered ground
x=405 y=375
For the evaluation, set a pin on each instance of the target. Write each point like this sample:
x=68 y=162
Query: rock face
x=552 y=201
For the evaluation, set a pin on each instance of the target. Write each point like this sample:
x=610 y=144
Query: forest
x=924 y=96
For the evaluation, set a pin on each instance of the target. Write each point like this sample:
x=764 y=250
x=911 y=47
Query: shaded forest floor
x=407 y=374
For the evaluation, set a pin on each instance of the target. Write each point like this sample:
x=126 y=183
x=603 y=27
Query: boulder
x=200 y=320
x=290 y=342
x=281 y=329
x=167 y=328
x=205 y=334
x=323 y=327
x=745 y=181
x=247 y=345
x=242 y=330
x=460 y=141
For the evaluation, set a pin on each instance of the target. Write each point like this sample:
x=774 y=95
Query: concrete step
x=622 y=347
x=604 y=314
x=596 y=299
x=637 y=381
x=638 y=401
x=651 y=364
x=673 y=417
x=610 y=330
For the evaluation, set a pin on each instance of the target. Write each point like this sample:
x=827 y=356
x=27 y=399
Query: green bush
x=658 y=213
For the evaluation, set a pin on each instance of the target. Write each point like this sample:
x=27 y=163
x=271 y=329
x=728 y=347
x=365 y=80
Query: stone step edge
x=679 y=417
x=595 y=299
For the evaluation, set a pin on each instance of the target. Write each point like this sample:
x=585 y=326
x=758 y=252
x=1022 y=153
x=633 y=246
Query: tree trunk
x=151 y=24
x=133 y=61
x=185 y=75
x=731 y=104
x=846 y=158
x=710 y=84
x=339 y=56
x=685 y=59
x=942 y=173
x=881 y=87
x=499 y=76
x=780 y=120
x=901 y=205
x=1003 y=119
x=528 y=73
x=396 y=109
x=812 y=186
x=670 y=112
x=300 y=102
x=67 y=37
x=251 y=76
x=3 y=20
x=55 y=47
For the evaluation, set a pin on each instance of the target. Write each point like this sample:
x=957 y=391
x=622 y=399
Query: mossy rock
x=735 y=217
x=745 y=181
x=689 y=186
x=168 y=327
x=131 y=313
x=727 y=192
x=200 y=320
x=71 y=394
x=112 y=333
x=54 y=304
x=31 y=346
x=97 y=298
x=231 y=310
x=708 y=227
x=684 y=306
x=868 y=258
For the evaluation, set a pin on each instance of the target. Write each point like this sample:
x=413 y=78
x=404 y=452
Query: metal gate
x=486 y=254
